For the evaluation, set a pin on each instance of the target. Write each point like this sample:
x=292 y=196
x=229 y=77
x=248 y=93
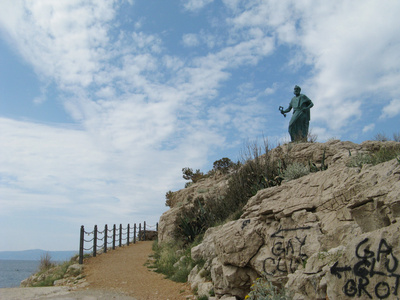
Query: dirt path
x=123 y=270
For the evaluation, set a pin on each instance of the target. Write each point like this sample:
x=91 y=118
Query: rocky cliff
x=330 y=234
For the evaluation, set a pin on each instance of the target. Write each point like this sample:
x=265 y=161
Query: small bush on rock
x=50 y=272
x=265 y=290
x=172 y=260
x=169 y=198
x=295 y=170
x=385 y=153
x=223 y=165
x=45 y=262
x=188 y=174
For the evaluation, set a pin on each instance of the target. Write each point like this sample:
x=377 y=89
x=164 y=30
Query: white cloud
x=149 y=42
x=68 y=36
x=43 y=158
x=144 y=112
x=190 y=40
x=194 y=40
x=368 y=128
x=391 y=110
x=194 y=5
x=351 y=46
x=271 y=90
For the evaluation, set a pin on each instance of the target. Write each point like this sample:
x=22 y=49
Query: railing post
x=105 y=238
x=120 y=235
x=127 y=234
x=140 y=232
x=95 y=241
x=134 y=233
x=114 y=229
x=144 y=230
x=81 y=245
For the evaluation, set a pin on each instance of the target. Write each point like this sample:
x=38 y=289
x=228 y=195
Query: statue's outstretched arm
x=287 y=109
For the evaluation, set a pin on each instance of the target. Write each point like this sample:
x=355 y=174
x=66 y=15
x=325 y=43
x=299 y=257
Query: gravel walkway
x=118 y=274
x=55 y=293
x=123 y=270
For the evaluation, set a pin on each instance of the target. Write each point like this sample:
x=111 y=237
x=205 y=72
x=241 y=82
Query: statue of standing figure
x=299 y=123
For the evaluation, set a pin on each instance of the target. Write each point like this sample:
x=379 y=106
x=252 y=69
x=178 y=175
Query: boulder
x=332 y=234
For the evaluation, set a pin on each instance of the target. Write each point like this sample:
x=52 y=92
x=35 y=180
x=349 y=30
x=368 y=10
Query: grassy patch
x=173 y=260
x=264 y=289
x=385 y=153
x=49 y=273
x=295 y=170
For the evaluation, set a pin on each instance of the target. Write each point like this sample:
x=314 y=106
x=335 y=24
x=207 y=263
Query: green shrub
x=360 y=159
x=165 y=257
x=295 y=170
x=396 y=137
x=45 y=262
x=381 y=137
x=223 y=165
x=169 y=198
x=188 y=174
x=257 y=170
x=173 y=260
x=193 y=221
x=265 y=290
x=55 y=272
x=385 y=153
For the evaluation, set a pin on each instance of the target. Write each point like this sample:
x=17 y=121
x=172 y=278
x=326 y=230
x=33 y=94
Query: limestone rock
x=72 y=277
x=206 y=250
x=332 y=234
x=204 y=288
x=237 y=242
x=148 y=235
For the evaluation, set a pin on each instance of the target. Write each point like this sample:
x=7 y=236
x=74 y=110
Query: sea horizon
x=12 y=272
x=36 y=254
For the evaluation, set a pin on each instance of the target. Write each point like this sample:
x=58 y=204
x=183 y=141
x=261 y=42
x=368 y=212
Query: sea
x=12 y=272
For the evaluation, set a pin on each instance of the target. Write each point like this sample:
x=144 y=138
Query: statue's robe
x=300 y=121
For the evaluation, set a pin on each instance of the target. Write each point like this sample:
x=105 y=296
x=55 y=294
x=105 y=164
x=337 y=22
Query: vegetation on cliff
x=68 y=272
x=259 y=168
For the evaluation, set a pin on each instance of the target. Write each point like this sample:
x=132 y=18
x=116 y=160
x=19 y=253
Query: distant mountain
x=36 y=254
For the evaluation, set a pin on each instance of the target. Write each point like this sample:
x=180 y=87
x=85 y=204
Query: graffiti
x=275 y=234
x=382 y=263
x=287 y=253
x=245 y=223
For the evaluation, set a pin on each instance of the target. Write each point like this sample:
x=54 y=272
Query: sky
x=103 y=102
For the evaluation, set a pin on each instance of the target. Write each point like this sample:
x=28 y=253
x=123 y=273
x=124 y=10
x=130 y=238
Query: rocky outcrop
x=183 y=199
x=148 y=235
x=72 y=276
x=331 y=234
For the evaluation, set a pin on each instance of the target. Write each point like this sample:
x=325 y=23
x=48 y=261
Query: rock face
x=148 y=235
x=73 y=277
x=331 y=234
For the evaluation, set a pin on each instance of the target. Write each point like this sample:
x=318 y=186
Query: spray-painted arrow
x=335 y=270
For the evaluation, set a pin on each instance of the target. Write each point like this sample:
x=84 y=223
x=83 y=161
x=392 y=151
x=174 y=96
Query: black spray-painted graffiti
x=245 y=223
x=381 y=263
x=287 y=253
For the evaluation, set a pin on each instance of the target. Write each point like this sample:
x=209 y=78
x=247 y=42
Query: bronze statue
x=299 y=123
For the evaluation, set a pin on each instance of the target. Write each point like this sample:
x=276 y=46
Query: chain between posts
x=117 y=235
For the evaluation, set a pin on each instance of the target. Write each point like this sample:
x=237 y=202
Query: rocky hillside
x=330 y=234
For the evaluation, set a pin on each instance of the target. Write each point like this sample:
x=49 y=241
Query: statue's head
x=297 y=90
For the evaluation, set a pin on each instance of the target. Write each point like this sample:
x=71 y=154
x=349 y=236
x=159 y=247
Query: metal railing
x=108 y=238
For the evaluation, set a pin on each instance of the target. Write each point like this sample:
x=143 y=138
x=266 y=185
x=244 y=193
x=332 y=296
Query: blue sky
x=102 y=102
